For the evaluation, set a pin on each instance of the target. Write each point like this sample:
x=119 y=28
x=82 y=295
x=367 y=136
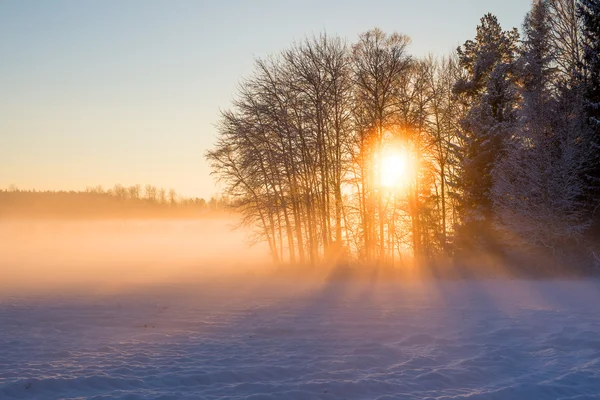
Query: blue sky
x=103 y=92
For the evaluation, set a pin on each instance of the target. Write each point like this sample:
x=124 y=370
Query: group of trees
x=501 y=139
x=95 y=202
x=155 y=195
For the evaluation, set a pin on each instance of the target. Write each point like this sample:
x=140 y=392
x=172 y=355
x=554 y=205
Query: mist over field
x=52 y=254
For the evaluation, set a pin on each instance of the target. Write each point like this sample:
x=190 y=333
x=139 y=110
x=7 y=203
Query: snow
x=283 y=339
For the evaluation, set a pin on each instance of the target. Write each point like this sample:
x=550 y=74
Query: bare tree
x=380 y=63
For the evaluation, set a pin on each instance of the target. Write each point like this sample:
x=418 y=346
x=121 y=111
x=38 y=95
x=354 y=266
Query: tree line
x=502 y=141
x=135 y=201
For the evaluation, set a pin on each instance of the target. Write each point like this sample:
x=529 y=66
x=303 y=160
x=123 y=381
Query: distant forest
x=498 y=145
x=133 y=202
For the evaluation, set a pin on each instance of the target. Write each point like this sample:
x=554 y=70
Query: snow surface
x=289 y=340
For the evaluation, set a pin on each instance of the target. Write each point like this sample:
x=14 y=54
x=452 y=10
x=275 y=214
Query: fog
x=116 y=254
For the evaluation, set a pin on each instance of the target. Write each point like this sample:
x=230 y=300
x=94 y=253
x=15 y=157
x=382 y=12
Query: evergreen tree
x=537 y=185
x=589 y=13
x=488 y=90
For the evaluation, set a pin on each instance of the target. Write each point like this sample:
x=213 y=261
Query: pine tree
x=488 y=91
x=589 y=13
x=538 y=186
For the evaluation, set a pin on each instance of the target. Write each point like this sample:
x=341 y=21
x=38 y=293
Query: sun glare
x=394 y=170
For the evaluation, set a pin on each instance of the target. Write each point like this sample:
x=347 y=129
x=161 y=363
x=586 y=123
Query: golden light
x=395 y=169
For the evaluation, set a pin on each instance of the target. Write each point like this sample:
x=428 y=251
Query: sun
x=394 y=170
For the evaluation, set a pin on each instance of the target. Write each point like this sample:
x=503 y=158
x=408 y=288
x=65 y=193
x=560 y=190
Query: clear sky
x=122 y=91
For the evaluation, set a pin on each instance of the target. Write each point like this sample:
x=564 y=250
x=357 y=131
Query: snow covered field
x=251 y=340
x=131 y=321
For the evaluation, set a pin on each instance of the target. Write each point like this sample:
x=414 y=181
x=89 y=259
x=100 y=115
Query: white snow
x=218 y=339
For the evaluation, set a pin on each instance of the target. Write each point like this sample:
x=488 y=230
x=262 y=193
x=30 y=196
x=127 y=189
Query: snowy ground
x=278 y=340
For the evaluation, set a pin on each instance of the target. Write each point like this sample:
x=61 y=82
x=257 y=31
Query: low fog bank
x=110 y=256
x=56 y=254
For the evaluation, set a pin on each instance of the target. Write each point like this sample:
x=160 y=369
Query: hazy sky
x=103 y=92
